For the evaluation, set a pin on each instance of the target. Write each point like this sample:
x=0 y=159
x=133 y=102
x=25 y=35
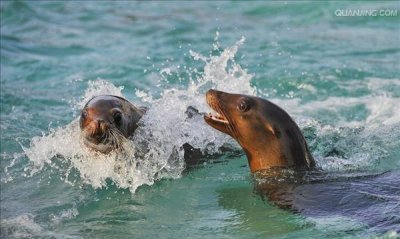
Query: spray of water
x=155 y=151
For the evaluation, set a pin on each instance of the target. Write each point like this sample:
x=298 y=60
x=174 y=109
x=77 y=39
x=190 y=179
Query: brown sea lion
x=106 y=119
x=278 y=153
x=267 y=134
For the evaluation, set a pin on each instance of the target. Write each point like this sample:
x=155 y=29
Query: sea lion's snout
x=232 y=112
x=94 y=129
x=217 y=119
x=211 y=94
x=97 y=130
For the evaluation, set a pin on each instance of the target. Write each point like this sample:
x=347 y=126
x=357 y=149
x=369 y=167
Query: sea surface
x=337 y=76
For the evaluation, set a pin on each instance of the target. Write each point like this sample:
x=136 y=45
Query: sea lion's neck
x=266 y=157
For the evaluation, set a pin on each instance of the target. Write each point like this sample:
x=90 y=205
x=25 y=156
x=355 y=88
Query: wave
x=339 y=145
x=25 y=226
x=163 y=130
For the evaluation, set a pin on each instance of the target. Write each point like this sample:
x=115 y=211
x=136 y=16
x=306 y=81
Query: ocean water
x=338 y=77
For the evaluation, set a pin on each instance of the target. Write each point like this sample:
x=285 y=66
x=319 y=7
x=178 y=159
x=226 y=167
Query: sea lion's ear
x=270 y=128
x=143 y=109
x=273 y=129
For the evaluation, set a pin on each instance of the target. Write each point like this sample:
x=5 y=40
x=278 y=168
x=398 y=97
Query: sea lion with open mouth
x=283 y=167
x=267 y=134
x=106 y=120
x=272 y=141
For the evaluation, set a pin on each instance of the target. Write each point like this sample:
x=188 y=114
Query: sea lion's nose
x=214 y=93
x=100 y=122
x=210 y=92
x=99 y=131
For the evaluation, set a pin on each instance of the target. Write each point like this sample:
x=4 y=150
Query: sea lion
x=267 y=134
x=284 y=170
x=106 y=119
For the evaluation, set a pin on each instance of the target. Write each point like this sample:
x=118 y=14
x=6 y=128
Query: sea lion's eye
x=117 y=117
x=243 y=106
x=84 y=114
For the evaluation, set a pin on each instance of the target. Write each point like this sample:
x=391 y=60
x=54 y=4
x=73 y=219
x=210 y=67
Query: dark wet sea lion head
x=267 y=134
x=106 y=120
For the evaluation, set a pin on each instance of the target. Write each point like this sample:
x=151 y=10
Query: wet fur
x=267 y=134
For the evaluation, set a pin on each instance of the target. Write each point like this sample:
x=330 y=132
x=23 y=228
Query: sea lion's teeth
x=216 y=117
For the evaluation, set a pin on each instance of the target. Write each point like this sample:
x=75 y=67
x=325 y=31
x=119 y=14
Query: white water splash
x=95 y=88
x=155 y=151
x=22 y=226
x=358 y=144
x=64 y=215
x=25 y=226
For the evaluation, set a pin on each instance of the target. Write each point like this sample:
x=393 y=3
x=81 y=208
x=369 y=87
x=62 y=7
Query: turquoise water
x=339 y=77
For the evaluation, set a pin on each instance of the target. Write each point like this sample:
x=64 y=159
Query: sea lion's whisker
x=229 y=124
x=108 y=136
x=117 y=137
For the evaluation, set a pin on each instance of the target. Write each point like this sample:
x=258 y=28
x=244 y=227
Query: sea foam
x=163 y=130
x=155 y=151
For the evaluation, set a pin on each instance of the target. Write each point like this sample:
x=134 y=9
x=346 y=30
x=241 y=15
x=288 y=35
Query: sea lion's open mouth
x=218 y=114
x=215 y=116
x=216 y=119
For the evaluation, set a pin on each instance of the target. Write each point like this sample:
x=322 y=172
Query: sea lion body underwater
x=267 y=134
